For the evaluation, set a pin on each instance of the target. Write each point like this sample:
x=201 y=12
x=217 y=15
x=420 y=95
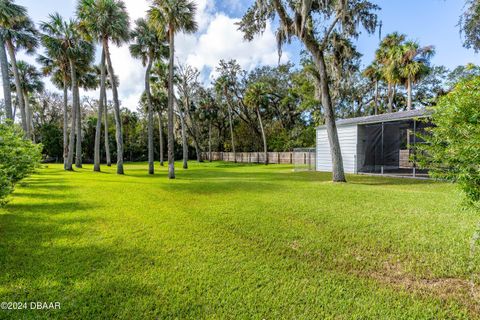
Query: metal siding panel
x=347 y=136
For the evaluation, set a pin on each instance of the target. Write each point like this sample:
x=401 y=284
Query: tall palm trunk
x=78 y=151
x=151 y=160
x=376 y=97
x=184 y=139
x=29 y=111
x=18 y=85
x=65 y=122
x=71 y=143
x=7 y=94
x=409 y=93
x=107 y=139
x=265 y=150
x=116 y=108
x=98 y=129
x=171 y=159
x=160 y=131
x=390 y=98
x=27 y=114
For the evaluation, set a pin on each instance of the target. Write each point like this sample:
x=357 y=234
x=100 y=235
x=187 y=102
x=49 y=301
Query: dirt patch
x=446 y=289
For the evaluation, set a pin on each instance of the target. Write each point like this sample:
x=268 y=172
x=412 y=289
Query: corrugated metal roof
x=386 y=117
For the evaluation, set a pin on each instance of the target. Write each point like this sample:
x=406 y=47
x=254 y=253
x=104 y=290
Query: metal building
x=381 y=144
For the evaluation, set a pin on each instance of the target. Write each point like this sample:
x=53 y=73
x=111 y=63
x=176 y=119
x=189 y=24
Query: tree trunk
x=209 y=141
x=394 y=92
x=409 y=93
x=160 y=131
x=376 y=97
x=71 y=143
x=78 y=149
x=390 y=98
x=322 y=83
x=98 y=129
x=151 y=159
x=336 y=153
x=18 y=85
x=7 y=94
x=116 y=109
x=265 y=150
x=65 y=122
x=193 y=131
x=27 y=114
x=198 y=150
x=184 y=139
x=231 y=128
x=171 y=160
x=107 y=139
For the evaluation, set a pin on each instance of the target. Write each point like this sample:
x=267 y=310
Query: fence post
x=278 y=157
x=291 y=157
x=309 y=161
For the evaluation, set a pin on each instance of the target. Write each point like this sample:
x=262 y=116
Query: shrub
x=18 y=158
x=452 y=151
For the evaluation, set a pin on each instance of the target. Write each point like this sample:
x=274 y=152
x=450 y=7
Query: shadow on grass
x=67 y=260
x=386 y=181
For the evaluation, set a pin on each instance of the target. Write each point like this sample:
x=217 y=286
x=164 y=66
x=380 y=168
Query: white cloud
x=218 y=38
x=223 y=40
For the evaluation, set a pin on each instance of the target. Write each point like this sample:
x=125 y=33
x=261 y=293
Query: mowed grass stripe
x=234 y=241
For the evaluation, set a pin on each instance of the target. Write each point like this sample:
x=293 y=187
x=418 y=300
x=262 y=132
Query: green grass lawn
x=236 y=242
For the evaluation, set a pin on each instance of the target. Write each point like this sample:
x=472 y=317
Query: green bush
x=452 y=151
x=18 y=158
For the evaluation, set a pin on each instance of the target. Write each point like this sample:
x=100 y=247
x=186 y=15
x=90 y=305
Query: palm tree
x=415 y=65
x=61 y=38
x=9 y=13
x=374 y=74
x=107 y=21
x=108 y=156
x=256 y=98
x=148 y=47
x=31 y=82
x=101 y=108
x=57 y=67
x=87 y=80
x=107 y=85
x=169 y=17
x=159 y=80
x=18 y=33
x=390 y=56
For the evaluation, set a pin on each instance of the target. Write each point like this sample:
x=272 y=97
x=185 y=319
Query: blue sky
x=431 y=22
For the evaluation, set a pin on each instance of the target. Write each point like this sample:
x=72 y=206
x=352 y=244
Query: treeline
x=179 y=115
x=290 y=117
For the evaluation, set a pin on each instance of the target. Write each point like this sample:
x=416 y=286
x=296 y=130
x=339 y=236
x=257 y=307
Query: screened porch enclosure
x=389 y=148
